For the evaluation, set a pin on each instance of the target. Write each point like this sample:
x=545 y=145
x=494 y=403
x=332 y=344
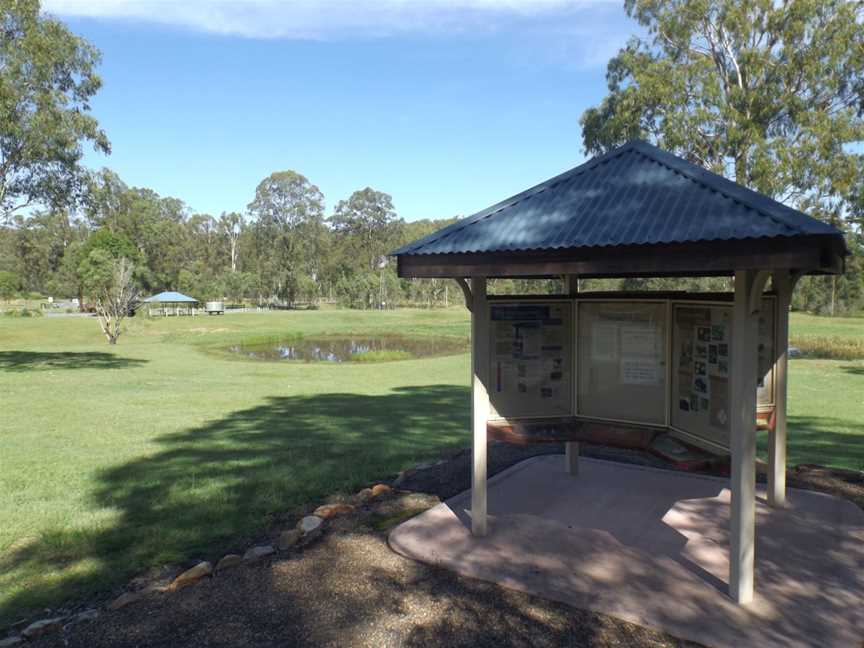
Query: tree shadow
x=43 y=360
x=351 y=589
x=815 y=439
x=855 y=370
x=211 y=488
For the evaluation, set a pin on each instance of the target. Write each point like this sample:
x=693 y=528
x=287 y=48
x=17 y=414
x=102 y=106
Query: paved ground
x=651 y=546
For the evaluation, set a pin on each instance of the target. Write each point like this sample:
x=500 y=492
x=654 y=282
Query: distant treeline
x=284 y=250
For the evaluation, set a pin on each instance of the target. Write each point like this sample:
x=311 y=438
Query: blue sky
x=447 y=105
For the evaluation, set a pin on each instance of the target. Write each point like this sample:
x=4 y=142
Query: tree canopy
x=47 y=78
x=770 y=94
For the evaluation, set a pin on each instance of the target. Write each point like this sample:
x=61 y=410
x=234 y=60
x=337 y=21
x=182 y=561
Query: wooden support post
x=571 y=448
x=783 y=284
x=571 y=454
x=742 y=408
x=479 y=401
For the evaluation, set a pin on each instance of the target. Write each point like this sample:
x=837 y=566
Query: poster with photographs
x=701 y=336
x=531 y=356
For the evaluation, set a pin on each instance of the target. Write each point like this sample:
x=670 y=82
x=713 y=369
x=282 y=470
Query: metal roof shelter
x=170 y=302
x=171 y=297
x=639 y=211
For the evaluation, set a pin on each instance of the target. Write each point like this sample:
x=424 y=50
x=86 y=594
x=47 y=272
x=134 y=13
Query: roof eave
x=812 y=254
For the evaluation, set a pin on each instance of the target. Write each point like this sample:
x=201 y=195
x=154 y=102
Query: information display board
x=622 y=361
x=701 y=364
x=531 y=359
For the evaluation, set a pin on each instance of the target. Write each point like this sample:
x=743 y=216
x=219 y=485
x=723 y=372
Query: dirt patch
x=350 y=589
x=847 y=484
x=452 y=474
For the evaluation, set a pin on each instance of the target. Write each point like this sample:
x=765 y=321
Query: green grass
x=384 y=355
x=167 y=448
x=804 y=325
x=826 y=413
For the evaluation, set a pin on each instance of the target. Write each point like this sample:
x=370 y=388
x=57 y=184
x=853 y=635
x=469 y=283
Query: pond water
x=352 y=349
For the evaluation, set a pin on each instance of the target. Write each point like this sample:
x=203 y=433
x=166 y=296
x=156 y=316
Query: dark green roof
x=634 y=195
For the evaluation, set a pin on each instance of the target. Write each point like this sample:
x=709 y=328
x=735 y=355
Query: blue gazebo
x=171 y=303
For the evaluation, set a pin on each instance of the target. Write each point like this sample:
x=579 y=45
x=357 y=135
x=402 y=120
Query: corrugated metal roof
x=634 y=195
x=170 y=297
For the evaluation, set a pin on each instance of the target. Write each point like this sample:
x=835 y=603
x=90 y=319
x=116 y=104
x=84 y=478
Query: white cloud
x=326 y=19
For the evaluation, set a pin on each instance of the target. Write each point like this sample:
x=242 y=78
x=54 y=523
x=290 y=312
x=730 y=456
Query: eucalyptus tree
x=47 y=79
x=288 y=215
x=770 y=94
x=366 y=226
x=230 y=227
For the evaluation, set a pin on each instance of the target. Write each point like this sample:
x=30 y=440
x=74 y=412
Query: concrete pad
x=652 y=547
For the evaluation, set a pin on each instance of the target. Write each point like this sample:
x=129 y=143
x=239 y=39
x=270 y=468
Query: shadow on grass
x=38 y=360
x=855 y=370
x=819 y=440
x=212 y=486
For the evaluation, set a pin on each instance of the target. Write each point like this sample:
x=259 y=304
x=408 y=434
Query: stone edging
x=307 y=530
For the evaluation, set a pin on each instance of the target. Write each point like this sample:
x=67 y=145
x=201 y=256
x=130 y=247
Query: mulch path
x=349 y=589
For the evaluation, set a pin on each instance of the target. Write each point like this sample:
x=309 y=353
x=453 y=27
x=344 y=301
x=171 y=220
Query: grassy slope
x=113 y=460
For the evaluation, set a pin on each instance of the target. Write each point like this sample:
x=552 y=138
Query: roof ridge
x=515 y=199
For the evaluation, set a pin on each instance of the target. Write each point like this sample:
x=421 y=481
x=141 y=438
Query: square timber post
x=571 y=448
x=742 y=407
x=783 y=283
x=479 y=401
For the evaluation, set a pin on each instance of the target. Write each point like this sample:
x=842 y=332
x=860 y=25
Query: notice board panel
x=701 y=362
x=622 y=361
x=531 y=359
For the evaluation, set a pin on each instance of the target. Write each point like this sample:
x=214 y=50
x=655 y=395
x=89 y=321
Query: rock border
x=307 y=530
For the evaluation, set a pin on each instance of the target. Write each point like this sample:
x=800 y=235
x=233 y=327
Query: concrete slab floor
x=652 y=547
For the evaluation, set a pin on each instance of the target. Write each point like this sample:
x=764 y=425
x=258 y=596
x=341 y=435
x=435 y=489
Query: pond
x=352 y=348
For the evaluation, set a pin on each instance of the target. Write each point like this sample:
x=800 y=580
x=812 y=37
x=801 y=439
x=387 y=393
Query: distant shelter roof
x=171 y=297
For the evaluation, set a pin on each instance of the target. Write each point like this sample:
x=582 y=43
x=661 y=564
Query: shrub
x=23 y=312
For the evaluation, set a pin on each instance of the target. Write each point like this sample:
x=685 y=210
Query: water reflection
x=351 y=349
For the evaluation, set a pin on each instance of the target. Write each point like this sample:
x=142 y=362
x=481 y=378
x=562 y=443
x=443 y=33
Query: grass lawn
x=165 y=448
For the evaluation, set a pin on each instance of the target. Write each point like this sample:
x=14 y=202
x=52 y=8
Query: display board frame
x=670 y=303
x=566 y=300
x=598 y=299
x=761 y=407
